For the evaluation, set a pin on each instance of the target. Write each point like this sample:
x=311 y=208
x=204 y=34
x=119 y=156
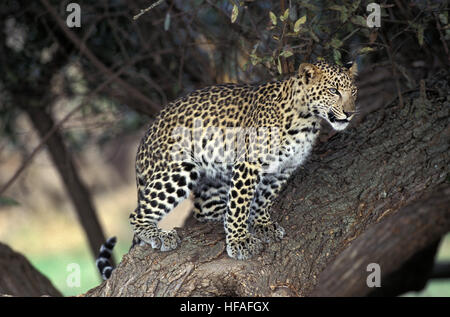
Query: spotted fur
x=234 y=147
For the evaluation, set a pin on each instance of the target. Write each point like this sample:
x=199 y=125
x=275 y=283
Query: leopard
x=231 y=148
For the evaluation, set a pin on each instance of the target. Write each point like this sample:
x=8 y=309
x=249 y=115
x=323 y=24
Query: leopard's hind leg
x=156 y=198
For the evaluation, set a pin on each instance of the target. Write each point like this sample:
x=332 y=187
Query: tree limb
x=144 y=104
x=361 y=182
x=388 y=243
x=19 y=278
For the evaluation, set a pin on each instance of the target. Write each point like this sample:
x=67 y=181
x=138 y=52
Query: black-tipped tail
x=103 y=264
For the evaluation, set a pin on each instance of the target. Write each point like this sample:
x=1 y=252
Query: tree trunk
x=19 y=278
x=376 y=193
x=75 y=188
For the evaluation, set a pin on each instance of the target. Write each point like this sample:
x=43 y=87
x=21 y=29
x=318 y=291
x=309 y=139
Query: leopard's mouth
x=338 y=124
x=333 y=119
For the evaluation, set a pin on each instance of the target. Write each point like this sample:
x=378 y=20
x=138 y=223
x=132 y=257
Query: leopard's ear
x=309 y=73
x=352 y=68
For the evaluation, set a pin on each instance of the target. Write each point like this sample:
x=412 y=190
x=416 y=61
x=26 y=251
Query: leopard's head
x=330 y=91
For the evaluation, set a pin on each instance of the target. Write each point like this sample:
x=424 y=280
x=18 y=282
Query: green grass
x=441 y=287
x=63 y=268
x=435 y=288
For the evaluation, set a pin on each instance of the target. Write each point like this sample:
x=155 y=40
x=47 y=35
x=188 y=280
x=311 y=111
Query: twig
x=150 y=106
x=441 y=35
x=147 y=9
x=394 y=69
x=44 y=140
x=350 y=34
x=282 y=42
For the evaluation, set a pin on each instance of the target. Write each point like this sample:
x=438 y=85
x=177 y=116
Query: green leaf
x=355 y=5
x=443 y=18
x=273 y=17
x=337 y=57
x=286 y=53
x=420 y=30
x=344 y=16
x=285 y=15
x=267 y=59
x=365 y=50
x=291 y=34
x=234 y=13
x=167 y=22
x=359 y=20
x=339 y=8
x=298 y=23
x=342 y=9
x=6 y=201
x=335 y=42
x=254 y=59
x=279 y=66
x=311 y=7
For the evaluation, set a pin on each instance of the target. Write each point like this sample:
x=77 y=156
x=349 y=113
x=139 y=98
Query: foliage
x=176 y=46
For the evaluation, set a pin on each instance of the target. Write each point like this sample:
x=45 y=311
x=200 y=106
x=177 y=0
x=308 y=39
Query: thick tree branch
x=388 y=243
x=19 y=278
x=369 y=179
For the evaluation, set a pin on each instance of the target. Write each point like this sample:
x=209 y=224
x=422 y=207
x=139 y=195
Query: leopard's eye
x=334 y=91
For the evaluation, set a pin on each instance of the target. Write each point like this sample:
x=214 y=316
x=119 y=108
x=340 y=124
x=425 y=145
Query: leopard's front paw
x=243 y=248
x=271 y=231
x=161 y=239
x=169 y=240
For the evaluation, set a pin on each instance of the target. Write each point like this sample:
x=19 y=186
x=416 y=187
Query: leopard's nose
x=349 y=113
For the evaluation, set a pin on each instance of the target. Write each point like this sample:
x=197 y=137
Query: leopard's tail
x=103 y=260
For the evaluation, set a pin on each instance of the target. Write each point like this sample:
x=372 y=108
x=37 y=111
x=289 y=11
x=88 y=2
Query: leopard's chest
x=296 y=148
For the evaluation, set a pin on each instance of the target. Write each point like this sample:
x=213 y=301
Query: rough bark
x=370 y=179
x=19 y=278
x=388 y=243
